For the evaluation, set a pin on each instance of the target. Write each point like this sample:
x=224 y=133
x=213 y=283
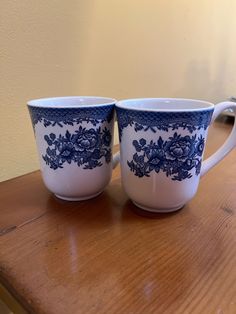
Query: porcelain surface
x=74 y=142
x=162 y=144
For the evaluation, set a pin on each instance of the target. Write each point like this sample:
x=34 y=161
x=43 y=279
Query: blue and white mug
x=74 y=136
x=162 y=142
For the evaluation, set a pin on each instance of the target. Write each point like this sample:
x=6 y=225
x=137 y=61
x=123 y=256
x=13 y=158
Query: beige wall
x=41 y=46
x=118 y=48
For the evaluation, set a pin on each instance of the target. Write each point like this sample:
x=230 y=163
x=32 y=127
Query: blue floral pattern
x=85 y=147
x=163 y=121
x=176 y=157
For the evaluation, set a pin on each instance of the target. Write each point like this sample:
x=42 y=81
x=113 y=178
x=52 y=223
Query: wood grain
x=99 y=256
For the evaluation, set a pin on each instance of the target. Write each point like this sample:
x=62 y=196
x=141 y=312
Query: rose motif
x=51 y=158
x=189 y=164
x=179 y=148
x=66 y=151
x=106 y=138
x=85 y=139
x=200 y=146
x=140 y=166
x=155 y=158
x=86 y=147
x=96 y=154
x=176 y=157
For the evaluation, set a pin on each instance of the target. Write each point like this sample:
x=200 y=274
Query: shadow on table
x=109 y=208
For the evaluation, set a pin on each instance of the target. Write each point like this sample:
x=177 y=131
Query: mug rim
x=47 y=102
x=125 y=104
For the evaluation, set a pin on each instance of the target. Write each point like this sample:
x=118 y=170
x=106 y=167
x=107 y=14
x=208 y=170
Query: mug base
x=76 y=199
x=158 y=210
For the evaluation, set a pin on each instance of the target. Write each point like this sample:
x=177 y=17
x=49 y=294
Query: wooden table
x=99 y=256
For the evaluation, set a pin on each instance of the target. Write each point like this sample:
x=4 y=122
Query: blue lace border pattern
x=163 y=121
x=69 y=116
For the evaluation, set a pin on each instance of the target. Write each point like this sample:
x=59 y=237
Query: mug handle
x=116 y=160
x=228 y=145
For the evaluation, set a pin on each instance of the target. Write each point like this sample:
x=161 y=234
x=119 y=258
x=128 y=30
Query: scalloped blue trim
x=164 y=121
x=71 y=116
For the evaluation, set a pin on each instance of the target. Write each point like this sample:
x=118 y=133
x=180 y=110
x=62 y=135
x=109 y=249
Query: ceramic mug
x=74 y=136
x=162 y=143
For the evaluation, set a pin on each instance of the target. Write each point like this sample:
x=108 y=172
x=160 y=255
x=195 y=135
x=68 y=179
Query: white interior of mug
x=165 y=104
x=71 y=102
